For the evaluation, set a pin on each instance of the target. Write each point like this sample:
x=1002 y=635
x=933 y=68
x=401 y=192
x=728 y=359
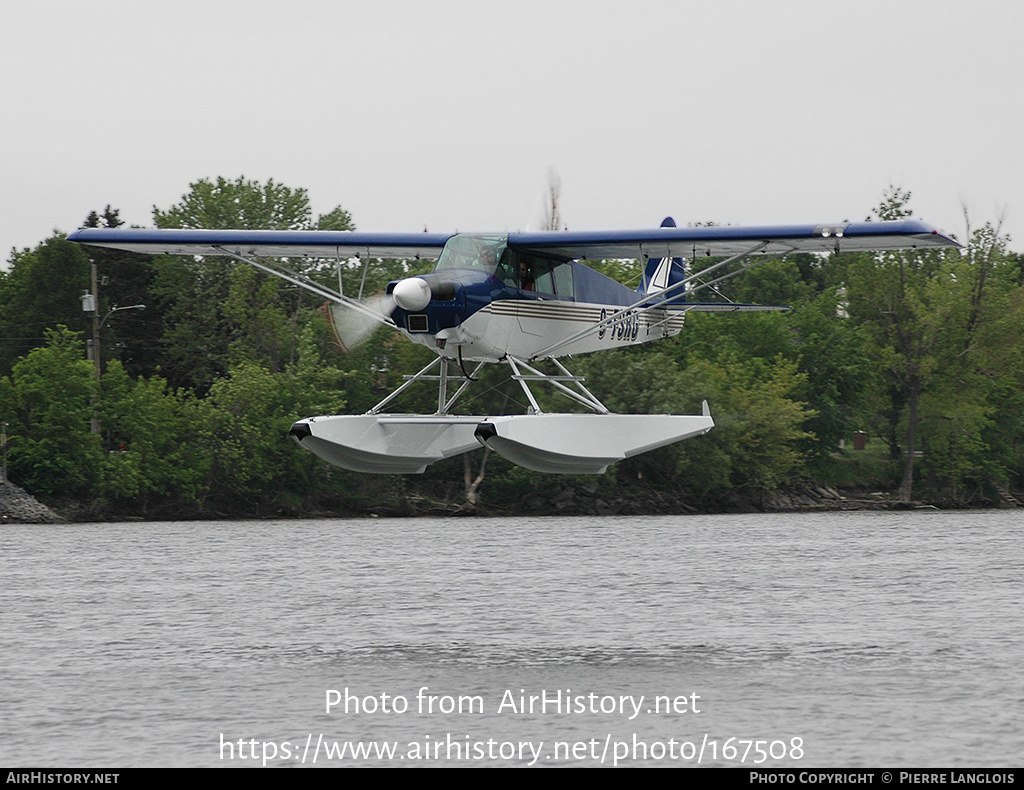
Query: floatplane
x=517 y=299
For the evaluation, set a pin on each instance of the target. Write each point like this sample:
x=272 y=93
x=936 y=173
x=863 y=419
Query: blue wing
x=663 y=242
x=268 y=243
x=669 y=242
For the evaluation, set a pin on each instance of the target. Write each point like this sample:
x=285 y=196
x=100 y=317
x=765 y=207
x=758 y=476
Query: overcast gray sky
x=450 y=114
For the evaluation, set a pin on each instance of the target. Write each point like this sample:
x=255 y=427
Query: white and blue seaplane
x=516 y=299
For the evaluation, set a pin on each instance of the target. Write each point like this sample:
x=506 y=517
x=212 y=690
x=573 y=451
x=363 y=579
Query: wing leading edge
x=664 y=242
x=267 y=243
x=668 y=242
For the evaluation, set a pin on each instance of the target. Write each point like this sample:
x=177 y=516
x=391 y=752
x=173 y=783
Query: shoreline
x=569 y=499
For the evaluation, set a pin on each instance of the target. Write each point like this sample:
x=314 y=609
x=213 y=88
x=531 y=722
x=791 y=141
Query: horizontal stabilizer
x=723 y=307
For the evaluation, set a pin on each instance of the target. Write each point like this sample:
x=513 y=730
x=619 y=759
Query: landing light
x=830 y=230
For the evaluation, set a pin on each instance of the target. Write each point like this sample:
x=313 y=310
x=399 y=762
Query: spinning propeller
x=353 y=326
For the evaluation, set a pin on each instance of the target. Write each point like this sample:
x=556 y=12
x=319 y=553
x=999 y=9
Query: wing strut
x=278 y=270
x=663 y=296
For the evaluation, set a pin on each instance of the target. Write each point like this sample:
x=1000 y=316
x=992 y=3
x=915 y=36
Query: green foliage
x=260 y=327
x=757 y=439
x=125 y=279
x=942 y=330
x=766 y=421
x=41 y=290
x=758 y=432
x=836 y=370
x=238 y=204
x=713 y=335
x=153 y=452
x=641 y=380
x=774 y=282
x=243 y=424
x=52 y=449
x=336 y=219
x=218 y=312
x=625 y=271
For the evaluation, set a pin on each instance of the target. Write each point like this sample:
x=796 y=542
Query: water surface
x=836 y=639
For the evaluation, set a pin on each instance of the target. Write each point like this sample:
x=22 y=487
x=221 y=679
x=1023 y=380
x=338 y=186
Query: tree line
x=918 y=351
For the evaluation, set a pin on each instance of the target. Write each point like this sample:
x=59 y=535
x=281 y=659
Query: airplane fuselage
x=485 y=301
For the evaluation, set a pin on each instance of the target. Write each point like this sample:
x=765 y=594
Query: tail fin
x=660 y=273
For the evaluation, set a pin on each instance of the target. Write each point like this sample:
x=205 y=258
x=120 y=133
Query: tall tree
x=964 y=410
x=212 y=313
x=934 y=323
x=41 y=290
x=53 y=451
x=889 y=295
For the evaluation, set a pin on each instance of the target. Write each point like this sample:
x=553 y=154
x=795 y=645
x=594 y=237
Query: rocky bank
x=20 y=507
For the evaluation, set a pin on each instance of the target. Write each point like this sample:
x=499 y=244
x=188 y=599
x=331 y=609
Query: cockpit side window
x=562 y=273
x=506 y=271
x=543 y=275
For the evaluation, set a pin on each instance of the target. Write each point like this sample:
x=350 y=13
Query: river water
x=832 y=639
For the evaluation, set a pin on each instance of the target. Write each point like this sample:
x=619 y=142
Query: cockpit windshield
x=472 y=252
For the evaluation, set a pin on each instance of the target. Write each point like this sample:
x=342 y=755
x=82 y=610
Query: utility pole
x=91 y=303
x=3 y=444
x=95 y=327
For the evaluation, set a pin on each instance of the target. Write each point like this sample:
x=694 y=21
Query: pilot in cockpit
x=526 y=276
x=486 y=259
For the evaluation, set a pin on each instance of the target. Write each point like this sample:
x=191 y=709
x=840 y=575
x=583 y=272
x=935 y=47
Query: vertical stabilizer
x=660 y=273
